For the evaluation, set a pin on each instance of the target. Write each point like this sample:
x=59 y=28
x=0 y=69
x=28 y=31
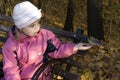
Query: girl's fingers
x=84 y=46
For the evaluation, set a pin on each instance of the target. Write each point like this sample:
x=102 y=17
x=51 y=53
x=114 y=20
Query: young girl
x=24 y=49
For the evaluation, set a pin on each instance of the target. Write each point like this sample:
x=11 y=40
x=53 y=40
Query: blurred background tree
x=94 y=19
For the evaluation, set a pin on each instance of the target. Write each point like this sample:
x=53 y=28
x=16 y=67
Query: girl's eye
x=31 y=25
x=34 y=24
x=39 y=22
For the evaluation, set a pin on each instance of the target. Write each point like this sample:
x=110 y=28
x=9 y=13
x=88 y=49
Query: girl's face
x=32 y=29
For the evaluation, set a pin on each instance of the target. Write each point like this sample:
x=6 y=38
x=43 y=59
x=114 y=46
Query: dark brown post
x=70 y=14
x=39 y=4
x=31 y=1
x=94 y=19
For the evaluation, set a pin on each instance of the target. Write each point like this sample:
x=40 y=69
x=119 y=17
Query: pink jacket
x=30 y=54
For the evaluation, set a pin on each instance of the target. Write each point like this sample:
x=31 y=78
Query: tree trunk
x=94 y=19
x=31 y=1
x=39 y=4
x=70 y=14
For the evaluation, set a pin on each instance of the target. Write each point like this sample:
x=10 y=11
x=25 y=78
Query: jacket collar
x=12 y=33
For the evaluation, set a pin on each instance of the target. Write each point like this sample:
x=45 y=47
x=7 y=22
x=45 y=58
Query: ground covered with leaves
x=101 y=62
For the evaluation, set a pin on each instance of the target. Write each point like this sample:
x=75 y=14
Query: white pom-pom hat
x=25 y=13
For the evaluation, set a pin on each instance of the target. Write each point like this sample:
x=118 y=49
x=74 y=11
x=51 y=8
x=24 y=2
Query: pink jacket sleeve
x=10 y=68
x=64 y=49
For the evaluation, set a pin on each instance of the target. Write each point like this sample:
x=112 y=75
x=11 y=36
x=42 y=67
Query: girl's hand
x=82 y=46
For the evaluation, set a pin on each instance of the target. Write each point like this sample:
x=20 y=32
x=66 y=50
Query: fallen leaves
x=89 y=75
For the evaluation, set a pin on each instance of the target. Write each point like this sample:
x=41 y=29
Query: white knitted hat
x=25 y=13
